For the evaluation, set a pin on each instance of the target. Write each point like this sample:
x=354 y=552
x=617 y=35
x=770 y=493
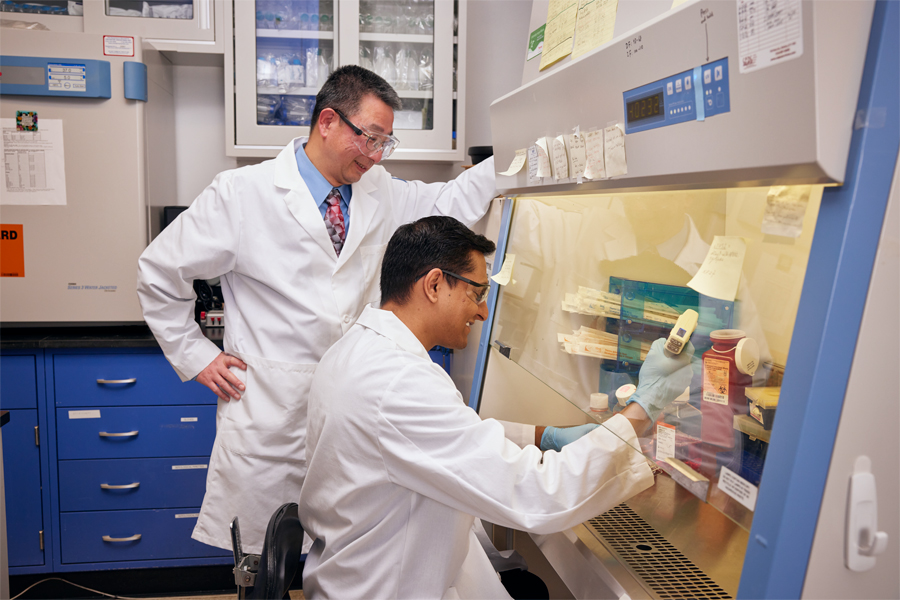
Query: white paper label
x=614 y=151
x=577 y=157
x=186 y=467
x=34 y=163
x=560 y=159
x=533 y=178
x=188 y=419
x=738 y=488
x=543 y=151
x=785 y=210
x=118 y=46
x=769 y=32
x=187 y=516
x=665 y=441
x=84 y=414
x=593 y=142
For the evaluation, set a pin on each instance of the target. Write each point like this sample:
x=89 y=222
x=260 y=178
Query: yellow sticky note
x=720 y=273
x=505 y=273
x=594 y=25
x=560 y=31
x=517 y=162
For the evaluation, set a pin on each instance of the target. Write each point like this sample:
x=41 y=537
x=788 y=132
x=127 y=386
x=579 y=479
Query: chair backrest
x=280 y=558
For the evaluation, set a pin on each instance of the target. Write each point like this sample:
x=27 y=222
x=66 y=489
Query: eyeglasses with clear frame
x=375 y=142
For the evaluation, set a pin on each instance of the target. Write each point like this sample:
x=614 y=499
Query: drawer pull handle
x=113 y=381
x=126 y=434
x=133 y=538
x=130 y=486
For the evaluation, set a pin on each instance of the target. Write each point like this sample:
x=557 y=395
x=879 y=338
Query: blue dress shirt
x=320 y=188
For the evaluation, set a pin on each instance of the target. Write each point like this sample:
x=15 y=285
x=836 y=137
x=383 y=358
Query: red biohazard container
x=723 y=389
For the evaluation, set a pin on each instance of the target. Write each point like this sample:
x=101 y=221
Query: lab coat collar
x=386 y=323
x=303 y=206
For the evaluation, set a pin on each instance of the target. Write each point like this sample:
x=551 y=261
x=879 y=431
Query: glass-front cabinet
x=155 y=19
x=285 y=49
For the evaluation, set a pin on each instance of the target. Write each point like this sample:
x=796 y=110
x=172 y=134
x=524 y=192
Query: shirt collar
x=386 y=323
x=316 y=182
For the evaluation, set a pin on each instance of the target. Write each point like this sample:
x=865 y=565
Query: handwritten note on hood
x=720 y=273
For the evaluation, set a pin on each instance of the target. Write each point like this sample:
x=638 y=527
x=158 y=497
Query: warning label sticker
x=715 y=381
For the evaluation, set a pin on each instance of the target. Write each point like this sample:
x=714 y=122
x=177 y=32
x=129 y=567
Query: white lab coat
x=399 y=467
x=288 y=298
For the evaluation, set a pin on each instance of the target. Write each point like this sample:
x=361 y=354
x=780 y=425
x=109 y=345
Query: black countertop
x=119 y=336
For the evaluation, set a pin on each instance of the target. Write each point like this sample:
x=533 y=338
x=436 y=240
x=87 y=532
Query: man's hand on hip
x=220 y=380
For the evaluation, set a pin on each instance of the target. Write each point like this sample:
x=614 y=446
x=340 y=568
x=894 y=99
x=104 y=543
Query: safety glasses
x=483 y=288
x=375 y=142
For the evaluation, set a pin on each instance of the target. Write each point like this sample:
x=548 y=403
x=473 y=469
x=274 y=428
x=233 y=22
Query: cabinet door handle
x=113 y=381
x=133 y=538
x=130 y=486
x=125 y=434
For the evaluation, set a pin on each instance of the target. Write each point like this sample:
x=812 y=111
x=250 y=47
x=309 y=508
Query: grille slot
x=661 y=567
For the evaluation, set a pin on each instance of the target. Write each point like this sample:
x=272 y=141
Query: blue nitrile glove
x=663 y=378
x=554 y=438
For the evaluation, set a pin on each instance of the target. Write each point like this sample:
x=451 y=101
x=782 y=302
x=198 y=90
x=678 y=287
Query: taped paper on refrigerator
x=785 y=210
x=720 y=273
x=593 y=147
x=560 y=159
x=577 y=157
x=543 y=151
x=614 y=151
x=34 y=164
x=517 y=162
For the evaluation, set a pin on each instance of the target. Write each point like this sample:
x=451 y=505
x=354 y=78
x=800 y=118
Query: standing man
x=298 y=242
x=399 y=466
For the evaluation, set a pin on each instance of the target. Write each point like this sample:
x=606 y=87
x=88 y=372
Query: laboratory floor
x=186 y=583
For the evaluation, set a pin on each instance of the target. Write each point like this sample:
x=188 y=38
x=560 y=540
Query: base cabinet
x=105 y=460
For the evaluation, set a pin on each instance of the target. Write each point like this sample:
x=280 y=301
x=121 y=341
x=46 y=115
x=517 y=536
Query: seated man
x=399 y=466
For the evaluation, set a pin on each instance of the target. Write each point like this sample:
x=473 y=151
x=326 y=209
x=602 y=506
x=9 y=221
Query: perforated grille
x=663 y=569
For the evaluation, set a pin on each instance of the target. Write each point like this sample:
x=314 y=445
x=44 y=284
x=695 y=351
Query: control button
x=720 y=100
x=707 y=76
x=687 y=83
x=718 y=72
x=346 y=318
x=709 y=102
x=677 y=85
x=669 y=88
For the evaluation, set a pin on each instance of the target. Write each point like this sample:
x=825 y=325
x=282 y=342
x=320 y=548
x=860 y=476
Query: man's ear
x=432 y=282
x=327 y=122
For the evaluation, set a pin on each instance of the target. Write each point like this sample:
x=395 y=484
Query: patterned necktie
x=334 y=220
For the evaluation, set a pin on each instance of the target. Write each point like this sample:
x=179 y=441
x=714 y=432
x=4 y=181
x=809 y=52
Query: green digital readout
x=646 y=107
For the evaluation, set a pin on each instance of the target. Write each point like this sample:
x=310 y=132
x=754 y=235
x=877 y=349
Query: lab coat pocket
x=269 y=421
x=371 y=258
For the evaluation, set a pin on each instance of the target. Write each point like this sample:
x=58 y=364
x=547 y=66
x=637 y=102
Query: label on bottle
x=665 y=441
x=715 y=381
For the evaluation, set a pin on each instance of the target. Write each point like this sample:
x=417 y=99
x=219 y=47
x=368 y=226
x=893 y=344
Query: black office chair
x=269 y=575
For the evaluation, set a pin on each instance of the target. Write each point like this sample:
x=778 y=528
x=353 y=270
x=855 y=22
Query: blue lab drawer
x=161 y=431
x=18 y=381
x=155 y=382
x=22 y=471
x=162 y=483
x=165 y=534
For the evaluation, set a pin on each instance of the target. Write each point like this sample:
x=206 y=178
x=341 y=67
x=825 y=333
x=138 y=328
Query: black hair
x=429 y=243
x=346 y=87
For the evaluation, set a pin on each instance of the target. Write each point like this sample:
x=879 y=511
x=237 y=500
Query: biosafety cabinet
x=737 y=160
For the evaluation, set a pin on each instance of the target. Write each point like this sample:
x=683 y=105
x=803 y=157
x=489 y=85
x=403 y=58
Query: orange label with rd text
x=12 y=251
